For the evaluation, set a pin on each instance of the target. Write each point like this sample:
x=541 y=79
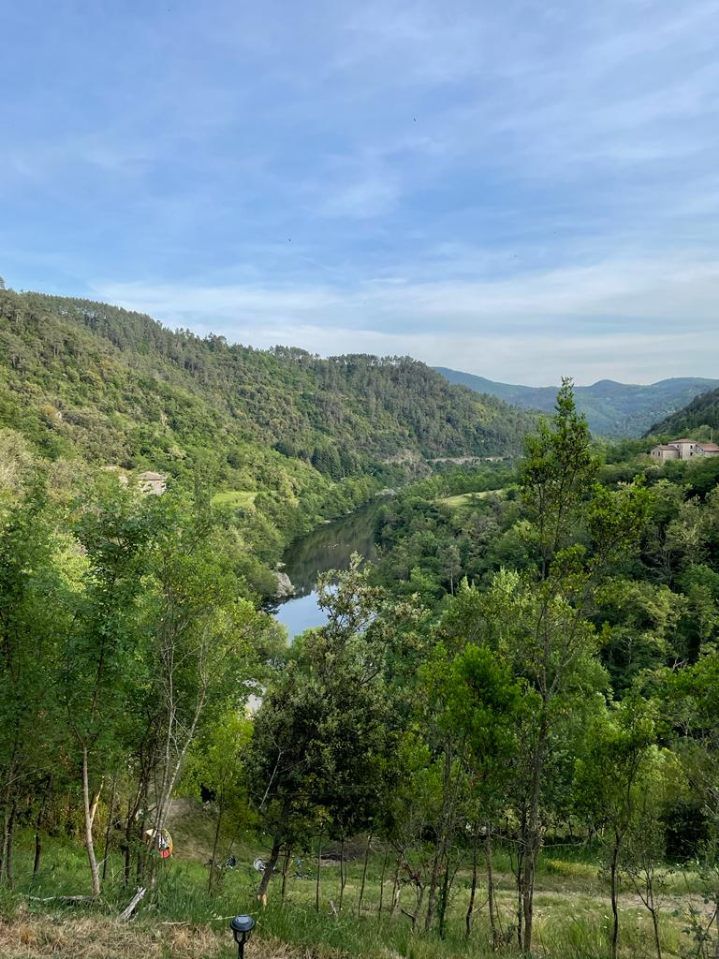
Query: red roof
x=712 y=447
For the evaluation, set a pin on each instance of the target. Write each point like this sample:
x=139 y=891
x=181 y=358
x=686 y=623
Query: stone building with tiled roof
x=683 y=449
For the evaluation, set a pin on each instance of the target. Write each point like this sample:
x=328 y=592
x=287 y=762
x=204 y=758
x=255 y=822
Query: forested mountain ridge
x=118 y=387
x=701 y=412
x=612 y=409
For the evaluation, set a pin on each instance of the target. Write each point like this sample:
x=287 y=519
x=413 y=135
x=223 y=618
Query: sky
x=521 y=190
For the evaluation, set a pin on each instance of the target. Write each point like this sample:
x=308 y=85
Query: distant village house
x=153 y=483
x=684 y=449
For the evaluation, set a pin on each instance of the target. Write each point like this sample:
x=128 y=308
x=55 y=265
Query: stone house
x=154 y=483
x=683 y=449
x=708 y=449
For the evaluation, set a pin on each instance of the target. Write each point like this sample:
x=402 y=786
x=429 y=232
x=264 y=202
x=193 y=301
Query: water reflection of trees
x=330 y=547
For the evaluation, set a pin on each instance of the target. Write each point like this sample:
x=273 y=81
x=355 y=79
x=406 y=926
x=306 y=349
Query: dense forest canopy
x=122 y=389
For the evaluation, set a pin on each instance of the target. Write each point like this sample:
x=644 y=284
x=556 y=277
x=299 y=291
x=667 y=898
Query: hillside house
x=683 y=449
x=154 y=483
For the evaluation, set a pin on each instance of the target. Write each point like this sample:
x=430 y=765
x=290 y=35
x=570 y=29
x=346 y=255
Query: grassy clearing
x=467 y=499
x=572 y=910
x=235 y=498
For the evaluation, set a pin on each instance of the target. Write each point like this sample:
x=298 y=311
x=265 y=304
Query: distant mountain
x=702 y=411
x=611 y=408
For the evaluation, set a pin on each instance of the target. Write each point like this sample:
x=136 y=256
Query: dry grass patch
x=31 y=936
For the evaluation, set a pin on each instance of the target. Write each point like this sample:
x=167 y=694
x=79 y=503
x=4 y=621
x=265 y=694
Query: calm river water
x=330 y=546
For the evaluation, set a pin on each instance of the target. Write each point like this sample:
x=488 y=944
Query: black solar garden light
x=242 y=927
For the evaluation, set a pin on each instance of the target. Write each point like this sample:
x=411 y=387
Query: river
x=330 y=546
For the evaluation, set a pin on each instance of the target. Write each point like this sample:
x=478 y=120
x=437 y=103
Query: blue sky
x=518 y=189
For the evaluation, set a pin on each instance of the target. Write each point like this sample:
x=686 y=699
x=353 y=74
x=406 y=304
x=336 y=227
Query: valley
x=612 y=409
x=359 y=480
x=415 y=773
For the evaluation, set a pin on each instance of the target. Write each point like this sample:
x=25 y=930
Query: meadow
x=183 y=920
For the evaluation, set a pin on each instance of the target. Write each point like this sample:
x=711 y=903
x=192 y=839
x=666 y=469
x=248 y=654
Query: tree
x=202 y=641
x=322 y=736
x=216 y=766
x=32 y=614
x=483 y=706
x=610 y=780
x=100 y=654
x=660 y=777
x=540 y=617
x=690 y=697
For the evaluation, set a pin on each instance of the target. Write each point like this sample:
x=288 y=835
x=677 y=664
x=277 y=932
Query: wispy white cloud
x=636 y=319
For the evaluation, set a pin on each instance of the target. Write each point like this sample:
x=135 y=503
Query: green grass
x=235 y=498
x=467 y=499
x=572 y=905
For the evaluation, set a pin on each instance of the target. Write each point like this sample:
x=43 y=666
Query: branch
x=133 y=904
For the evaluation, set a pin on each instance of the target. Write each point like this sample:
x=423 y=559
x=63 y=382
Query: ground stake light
x=242 y=927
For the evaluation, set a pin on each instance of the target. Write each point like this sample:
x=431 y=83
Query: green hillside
x=119 y=387
x=612 y=409
x=702 y=412
x=292 y=436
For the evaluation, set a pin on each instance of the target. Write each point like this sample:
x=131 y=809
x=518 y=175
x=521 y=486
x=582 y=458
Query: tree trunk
x=433 y=881
x=89 y=810
x=432 y=897
x=533 y=836
x=472 y=889
x=444 y=899
x=171 y=769
x=519 y=873
x=442 y=845
x=215 y=843
x=8 y=843
x=285 y=870
x=38 y=854
x=652 y=906
x=108 y=831
x=420 y=898
x=317 y=879
x=490 y=888
x=38 y=827
x=142 y=857
x=381 y=882
x=5 y=838
x=133 y=808
x=269 y=869
x=396 y=885
x=614 y=884
x=655 y=924
x=364 y=873
x=127 y=856
x=343 y=875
